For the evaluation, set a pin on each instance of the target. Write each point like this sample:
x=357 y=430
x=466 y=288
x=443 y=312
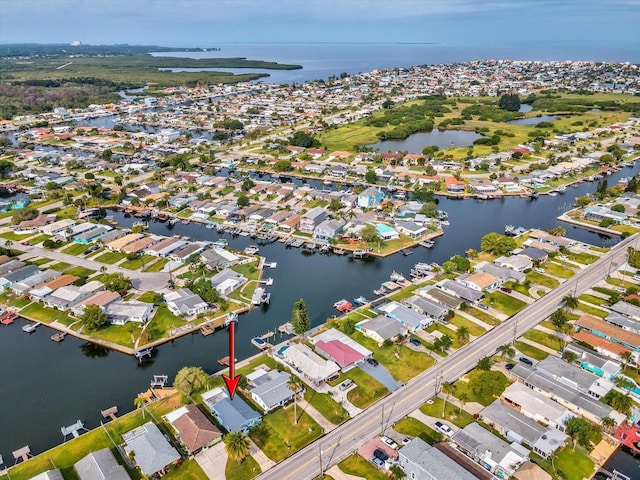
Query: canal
x=45 y=385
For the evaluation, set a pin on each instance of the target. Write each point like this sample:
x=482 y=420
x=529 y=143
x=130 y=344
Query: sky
x=208 y=23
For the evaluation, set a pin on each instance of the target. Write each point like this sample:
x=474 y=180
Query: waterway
x=415 y=142
x=45 y=385
x=533 y=120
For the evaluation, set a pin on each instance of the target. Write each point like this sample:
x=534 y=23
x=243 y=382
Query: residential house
x=193 y=429
x=57 y=227
x=269 y=388
x=165 y=247
x=310 y=220
x=518 y=263
x=234 y=415
x=150 y=449
x=554 y=240
x=479 y=281
x=426 y=307
x=421 y=461
x=89 y=236
x=589 y=360
x=227 y=281
x=308 y=364
x=291 y=224
x=535 y=254
x=382 y=328
x=185 y=303
x=408 y=318
x=411 y=229
x=65 y=298
x=370 y=197
x=218 y=258
x=440 y=297
x=544 y=246
x=459 y=290
x=33 y=225
x=453 y=185
x=340 y=348
x=55 y=474
x=536 y=406
x=121 y=312
x=18 y=275
x=627 y=310
x=598 y=213
x=46 y=289
x=327 y=230
x=111 y=236
x=29 y=283
x=182 y=255
x=101 y=464
x=101 y=298
x=503 y=274
x=610 y=332
x=122 y=242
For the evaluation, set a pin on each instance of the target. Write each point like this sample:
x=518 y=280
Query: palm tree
x=506 y=351
x=447 y=388
x=295 y=384
x=627 y=358
x=237 y=445
x=462 y=335
x=140 y=402
x=397 y=473
x=464 y=398
x=569 y=302
x=608 y=423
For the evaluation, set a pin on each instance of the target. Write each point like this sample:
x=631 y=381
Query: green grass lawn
x=163 y=321
x=606 y=291
x=498 y=382
x=558 y=270
x=246 y=470
x=368 y=389
x=474 y=329
x=137 y=263
x=415 y=428
x=187 y=469
x=67 y=212
x=460 y=418
x=249 y=270
x=596 y=312
x=284 y=438
x=38 y=239
x=359 y=467
x=75 y=249
x=36 y=311
x=518 y=287
x=530 y=351
x=124 y=335
x=592 y=299
x=621 y=283
x=483 y=316
x=147 y=297
x=14 y=236
x=504 y=303
x=539 y=279
x=326 y=405
x=405 y=366
x=582 y=257
x=255 y=363
x=80 y=271
x=40 y=261
x=110 y=257
x=543 y=338
x=60 y=266
x=574 y=464
x=157 y=266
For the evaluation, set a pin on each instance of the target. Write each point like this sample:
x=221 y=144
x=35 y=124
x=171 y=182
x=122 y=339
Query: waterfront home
x=421 y=461
x=490 y=451
x=314 y=168
x=411 y=229
x=370 y=197
x=516 y=427
x=218 y=258
x=555 y=240
x=184 y=302
x=502 y=273
x=479 y=281
x=123 y=311
x=381 y=328
x=593 y=362
x=535 y=254
x=227 y=281
x=606 y=347
x=483 y=187
x=269 y=389
x=453 y=185
x=55 y=474
x=19 y=275
x=518 y=263
x=139 y=245
x=38 y=294
x=405 y=316
x=536 y=406
x=459 y=290
x=234 y=415
x=57 y=227
x=165 y=246
x=426 y=307
x=66 y=297
x=101 y=464
x=338 y=171
x=327 y=230
x=439 y=296
x=90 y=235
x=33 y=226
x=385 y=232
x=544 y=246
x=193 y=429
x=122 y=242
x=310 y=220
x=111 y=236
x=311 y=366
x=149 y=448
x=290 y=224
x=182 y=255
x=101 y=298
x=31 y=282
x=76 y=230
x=598 y=213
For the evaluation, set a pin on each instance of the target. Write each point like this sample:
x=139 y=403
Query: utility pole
x=320 y=455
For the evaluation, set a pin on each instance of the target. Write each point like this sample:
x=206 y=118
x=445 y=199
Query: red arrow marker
x=232 y=380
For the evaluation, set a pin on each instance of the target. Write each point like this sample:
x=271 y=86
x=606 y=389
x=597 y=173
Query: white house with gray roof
x=66 y=297
x=121 y=312
x=101 y=464
x=405 y=316
x=519 y=263
x=227 y=281
x=381 y=328
x=310 y=220
x=149 y=448
x=309 y=364
x=184 y=302
x=426 y=307
x=269 y=389
x=420 y=461
x=504 y=274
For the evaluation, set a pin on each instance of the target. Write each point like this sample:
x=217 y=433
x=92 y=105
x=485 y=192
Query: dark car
x=506 y=289
x=381 y=454
x=415 y=342
x=372 y=361
x=526 y=361
x=509 y=366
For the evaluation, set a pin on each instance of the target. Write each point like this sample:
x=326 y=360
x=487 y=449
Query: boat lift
x=73 y=430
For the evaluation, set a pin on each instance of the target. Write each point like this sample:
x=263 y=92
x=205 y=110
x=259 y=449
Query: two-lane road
x=345 y=439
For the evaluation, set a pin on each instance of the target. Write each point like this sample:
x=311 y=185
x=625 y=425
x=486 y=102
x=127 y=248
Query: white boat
x=251 y=250
x=259 y=343
x=562 y=189
x=397 y=277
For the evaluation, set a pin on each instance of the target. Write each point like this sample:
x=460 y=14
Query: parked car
x=415 y=342
x=372 y=361
x=346 y=384
x=539 y=270
x=405 y=440
x=377 y=462
x=380 y=454
x=483 y=306
x=526 y=361
x=636 y=278
x=444 y=428
x=509 y=366
x=620 y=289
x=506 y=289
x=389 y=442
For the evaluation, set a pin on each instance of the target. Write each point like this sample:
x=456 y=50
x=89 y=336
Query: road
x=345 y=439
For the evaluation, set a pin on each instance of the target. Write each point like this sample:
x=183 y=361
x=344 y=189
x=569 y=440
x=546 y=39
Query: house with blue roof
x=233 y=415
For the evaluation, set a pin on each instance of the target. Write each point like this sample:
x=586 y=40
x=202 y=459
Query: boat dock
x=110 y=412
x=73 y=430
x=143 y=352
x=8 y=317
x=224 y=361
x=360 y=253
x=30 y=327
x=58 y=337
x=286 y=328
x=23 y=454
x=207 y=329
x=270 y=264
x=260 y=297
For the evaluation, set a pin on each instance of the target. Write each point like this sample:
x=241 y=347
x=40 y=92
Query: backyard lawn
x=574 y=464
x=249 y=270
x=592 y=299
x=110 y=257
x=60 y=266
x=36 y=311
x=492 y=385
x=539 y=279
x=163 y=321
x=460 y=418
x=188 y=469
x=38 y=239
x=284 y=436
x=530 y=351
x=504 y=303
x=543 y=338
x=80 y=271
x=124 y=335
x=582 y=257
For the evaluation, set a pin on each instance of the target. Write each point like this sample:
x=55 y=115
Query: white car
x=389 y=442
x=444 y=428
x=539 y=270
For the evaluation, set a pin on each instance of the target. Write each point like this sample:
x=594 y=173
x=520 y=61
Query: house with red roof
x=454 y=185
x=342 y=354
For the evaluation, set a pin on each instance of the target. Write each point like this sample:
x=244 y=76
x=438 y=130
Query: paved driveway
x=382 y=375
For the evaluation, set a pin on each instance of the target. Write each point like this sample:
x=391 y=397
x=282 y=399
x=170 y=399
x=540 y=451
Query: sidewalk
x=265 y=462
x=326 y=425
x=338 y=474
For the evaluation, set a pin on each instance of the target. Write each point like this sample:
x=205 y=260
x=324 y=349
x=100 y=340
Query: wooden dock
x=58 y=337
x=224 y=361
x=207 y=329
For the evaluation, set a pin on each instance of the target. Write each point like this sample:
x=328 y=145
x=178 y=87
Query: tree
x=93 y=317
x=569 y=302
x=295 y=385
x=619 y=401
x=509 y=102
x=107 y=154
x=302 y=139
x=569 y=356
x=370 y=176
x=608 y=423
x=559 y=319
x=247 y=185
x=237 y=445
x=559 y=231
x=190 y=380
x=26 y=213
x=627 y=359
x=300 y=317
x=140 y=402
x=282 y=166
x=462 y=334
x=369 y=233
x=6 y=167
x=116 y=282
x=243 y=201
x=497 y=244
x=484 y=364
x=396 y=472
x=583 y=201
x=443 y=343
x=507 y=351
x=448 y=389
x=579 y=430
